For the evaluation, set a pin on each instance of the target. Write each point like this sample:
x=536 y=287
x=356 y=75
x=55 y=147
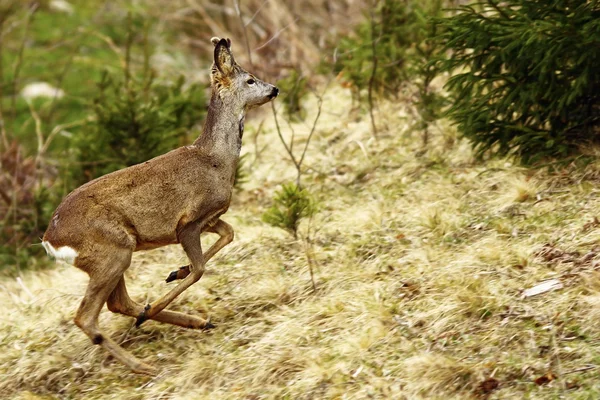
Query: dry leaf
x=546 y=286
x=545 y=379
x=489 y=385
x=569 y=385
x=592 y=224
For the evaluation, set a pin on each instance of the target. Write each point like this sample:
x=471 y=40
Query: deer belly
x=154 y=235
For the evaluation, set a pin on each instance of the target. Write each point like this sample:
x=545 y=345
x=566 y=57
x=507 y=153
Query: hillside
x=420 y=262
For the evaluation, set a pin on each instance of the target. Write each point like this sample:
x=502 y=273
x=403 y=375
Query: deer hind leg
x=221 y=228
x=120 y=302
x=104 y=276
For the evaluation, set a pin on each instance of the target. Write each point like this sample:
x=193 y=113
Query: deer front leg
x=189 y=237
x=221 y=228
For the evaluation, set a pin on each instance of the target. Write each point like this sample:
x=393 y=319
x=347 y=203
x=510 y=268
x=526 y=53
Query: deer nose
x=274 y=93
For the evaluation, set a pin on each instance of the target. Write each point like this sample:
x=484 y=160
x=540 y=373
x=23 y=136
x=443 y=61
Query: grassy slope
x=421 y=264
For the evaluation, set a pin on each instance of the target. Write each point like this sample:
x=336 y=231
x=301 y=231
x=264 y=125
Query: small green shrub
x=137 y=117
x=526 y=79
x=387 y=37
x=393 y=48
x=429 y=102
x=241 y=172
x=291 y=205
x=137 y=120
x=295 y=88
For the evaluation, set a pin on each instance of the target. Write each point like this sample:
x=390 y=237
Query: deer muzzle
x=274 y=93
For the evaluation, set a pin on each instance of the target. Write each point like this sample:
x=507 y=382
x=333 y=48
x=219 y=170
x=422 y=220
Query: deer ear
x=223 y=57
x=215 y=40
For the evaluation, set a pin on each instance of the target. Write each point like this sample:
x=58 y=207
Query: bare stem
x=200 y=9
x=287 y=148
x=293 y=138
x=19 y=63
x=314 y=126
x=276 y=35
x=59 y=128
x=308 y=248
x=60 y=81
x=111 y=44
x=374 y=71
x=256 y=12
x=128 y=46
x=309 y=259
x=38 y=127
x=2 y=122
x=257 y=151
x=244 y=30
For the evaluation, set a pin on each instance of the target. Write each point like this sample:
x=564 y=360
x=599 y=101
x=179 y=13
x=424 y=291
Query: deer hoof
x=142 y=317
x=172 y=276
x=181 y=273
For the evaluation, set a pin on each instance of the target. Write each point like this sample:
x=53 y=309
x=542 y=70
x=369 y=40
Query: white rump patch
x=63 y=253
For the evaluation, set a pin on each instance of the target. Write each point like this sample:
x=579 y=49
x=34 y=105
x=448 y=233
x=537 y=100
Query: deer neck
x=223 y=128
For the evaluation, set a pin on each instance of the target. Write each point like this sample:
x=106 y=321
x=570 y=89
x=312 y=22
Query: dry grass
x=421 y=261
x=275 y=36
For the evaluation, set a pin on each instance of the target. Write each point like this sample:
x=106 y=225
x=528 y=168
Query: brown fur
x=121 y=208
x=170 y=199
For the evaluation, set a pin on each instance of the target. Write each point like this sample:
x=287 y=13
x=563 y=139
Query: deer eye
x=250 y=81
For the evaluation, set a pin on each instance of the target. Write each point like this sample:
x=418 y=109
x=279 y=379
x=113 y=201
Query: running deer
x=170 y=199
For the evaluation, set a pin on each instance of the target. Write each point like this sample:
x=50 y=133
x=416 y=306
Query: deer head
x=234 y=84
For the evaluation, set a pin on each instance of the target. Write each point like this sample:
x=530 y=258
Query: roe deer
x=170 y=199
